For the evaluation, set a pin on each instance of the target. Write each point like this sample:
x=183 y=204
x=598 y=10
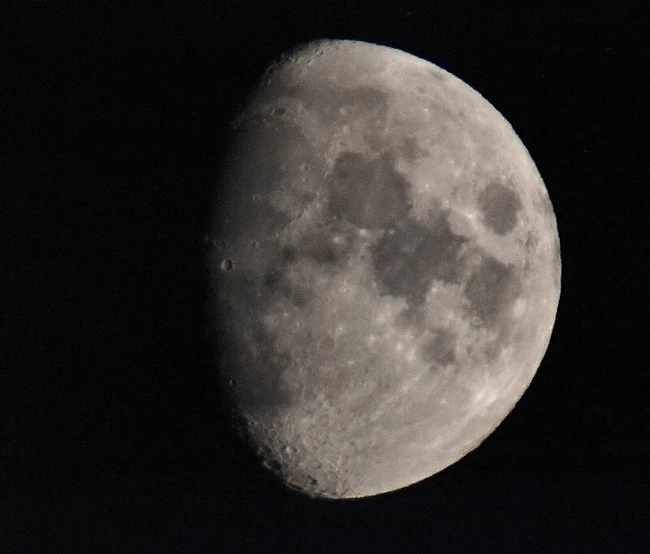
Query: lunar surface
x=385 y=272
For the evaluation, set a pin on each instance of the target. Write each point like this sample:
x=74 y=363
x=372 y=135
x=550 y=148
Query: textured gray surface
x=395 y=269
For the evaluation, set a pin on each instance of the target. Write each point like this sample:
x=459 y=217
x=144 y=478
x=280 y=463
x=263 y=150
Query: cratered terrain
x=385 y=272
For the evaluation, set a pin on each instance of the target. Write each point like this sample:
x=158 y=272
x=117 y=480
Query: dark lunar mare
x=368 y=192
x=499 y=206
x=407 y=260
x=491 y=289
x=440 y=349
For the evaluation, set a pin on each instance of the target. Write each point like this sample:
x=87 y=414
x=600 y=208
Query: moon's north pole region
x=386 y=269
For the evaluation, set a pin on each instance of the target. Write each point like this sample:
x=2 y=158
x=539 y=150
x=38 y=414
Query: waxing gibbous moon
x=386 y=269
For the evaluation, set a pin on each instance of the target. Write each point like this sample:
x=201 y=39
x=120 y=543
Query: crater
x=272 y=465
x=407 y=260
x=367 y=192
x=491 y=289
x=499 y=207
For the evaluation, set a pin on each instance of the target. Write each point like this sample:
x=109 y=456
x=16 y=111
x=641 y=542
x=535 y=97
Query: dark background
x=113 y=121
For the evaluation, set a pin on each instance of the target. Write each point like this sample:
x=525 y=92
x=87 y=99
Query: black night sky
x=114 y=118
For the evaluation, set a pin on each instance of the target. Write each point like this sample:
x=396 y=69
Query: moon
x=385 y=272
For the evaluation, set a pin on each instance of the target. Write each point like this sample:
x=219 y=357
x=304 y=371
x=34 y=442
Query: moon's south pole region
x=385 y=272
